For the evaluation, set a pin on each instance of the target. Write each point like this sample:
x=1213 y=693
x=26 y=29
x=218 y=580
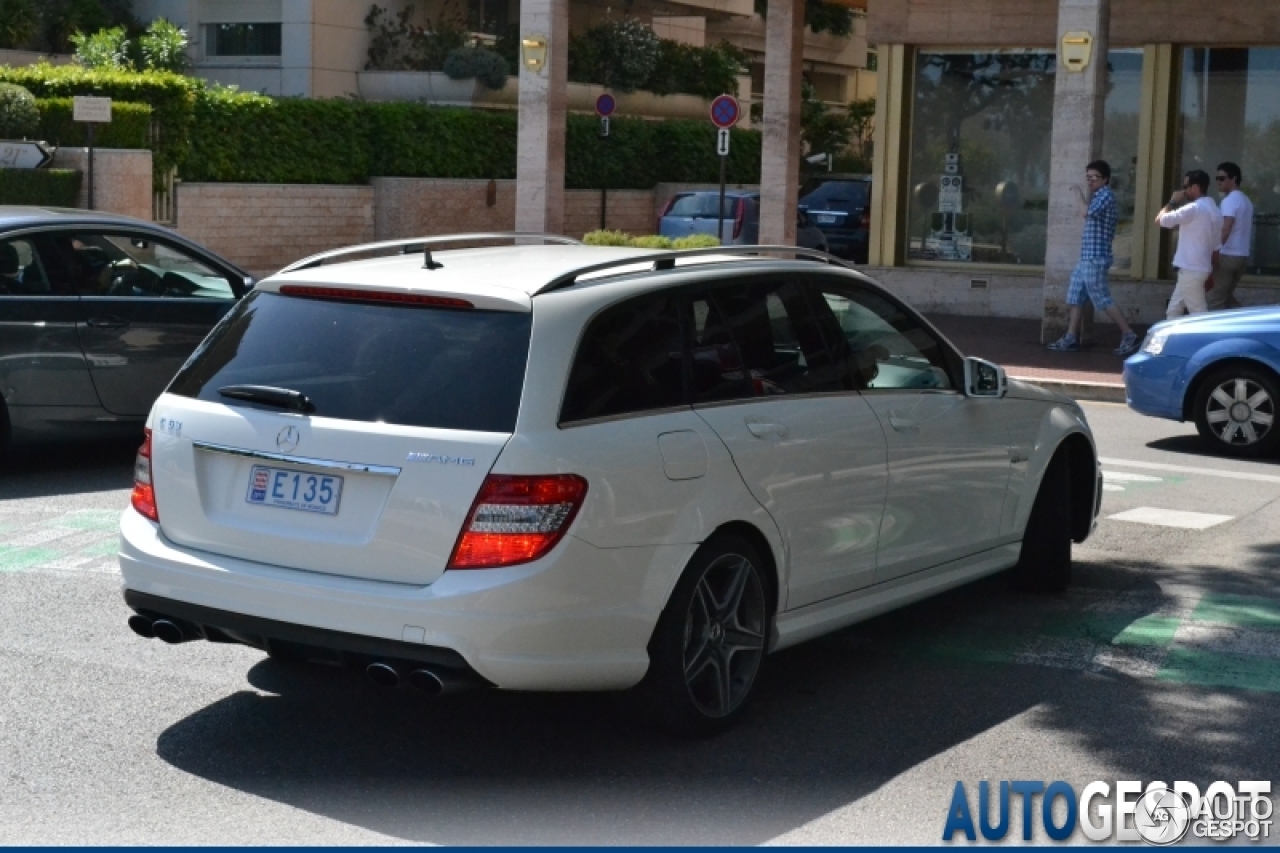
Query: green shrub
x=163 y=47
x=19 y=115
x=105 y=50
x=170 y=96
x=484 y=65
x=652 y=241
x=395 y=44
x=44 y=187
x=130 y=125
x=606 y=238
x=695 y=241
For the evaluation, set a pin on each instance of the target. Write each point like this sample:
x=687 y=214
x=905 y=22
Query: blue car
x=1220 y=370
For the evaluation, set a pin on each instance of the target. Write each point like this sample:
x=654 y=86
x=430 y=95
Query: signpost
x=92 y=111
x=24 y=155
x=605 y=105
x=724 y=115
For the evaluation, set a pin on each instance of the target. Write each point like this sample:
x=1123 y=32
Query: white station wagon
x=549 y=466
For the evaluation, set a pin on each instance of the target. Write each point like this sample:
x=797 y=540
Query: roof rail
x=407 y=245
x=667 y=260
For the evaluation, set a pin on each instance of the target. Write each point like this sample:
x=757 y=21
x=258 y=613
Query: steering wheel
x=124 y=277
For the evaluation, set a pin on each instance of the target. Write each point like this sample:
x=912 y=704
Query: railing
x=164 y=199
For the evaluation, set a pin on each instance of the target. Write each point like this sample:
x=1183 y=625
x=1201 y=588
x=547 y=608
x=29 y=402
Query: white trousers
x=1188 y=294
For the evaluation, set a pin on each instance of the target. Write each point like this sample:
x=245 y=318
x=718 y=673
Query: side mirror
x=249 y=282
x=983 y=378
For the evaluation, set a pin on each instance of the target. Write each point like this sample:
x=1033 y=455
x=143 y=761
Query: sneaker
x=1128 y=344
x=1066 y=343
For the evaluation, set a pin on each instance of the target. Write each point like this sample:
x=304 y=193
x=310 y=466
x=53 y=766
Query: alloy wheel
x=1240 y=412
x=724 y=635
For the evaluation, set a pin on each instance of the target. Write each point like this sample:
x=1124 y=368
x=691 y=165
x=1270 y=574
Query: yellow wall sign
x=1077 y=47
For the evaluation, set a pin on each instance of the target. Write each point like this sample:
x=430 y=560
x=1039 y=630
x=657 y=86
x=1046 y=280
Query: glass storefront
x=980 y=137
x=1229 y=103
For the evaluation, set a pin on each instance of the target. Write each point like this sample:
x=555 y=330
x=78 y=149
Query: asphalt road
x=1163 y=662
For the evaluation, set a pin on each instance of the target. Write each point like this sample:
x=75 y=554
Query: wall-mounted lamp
x=1077 y=47
x=533 y=49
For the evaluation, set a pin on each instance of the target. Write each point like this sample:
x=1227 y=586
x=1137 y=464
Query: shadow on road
x=1194 y=445
x=43 y=470
x=834 y=720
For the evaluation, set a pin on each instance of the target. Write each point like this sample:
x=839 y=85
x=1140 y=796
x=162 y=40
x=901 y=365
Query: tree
x=163 y=47
x=19 y=23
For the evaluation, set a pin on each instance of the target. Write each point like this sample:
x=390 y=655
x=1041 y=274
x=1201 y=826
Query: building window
x=242 y=40
x=981 y=133
x=873 y=60
x=1230 y=111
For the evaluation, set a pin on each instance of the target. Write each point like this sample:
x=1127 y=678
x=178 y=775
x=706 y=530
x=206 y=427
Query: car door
x=41 y=364
x=949 y=456
x=145 y=304
x=810 y=450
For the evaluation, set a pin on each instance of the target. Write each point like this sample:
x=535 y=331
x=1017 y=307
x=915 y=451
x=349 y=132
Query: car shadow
x=1194 y=445
x=834 y=720
x=67 y=468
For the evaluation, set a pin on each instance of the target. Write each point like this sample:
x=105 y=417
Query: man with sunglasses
x=1237 y=231
x=1199 y=224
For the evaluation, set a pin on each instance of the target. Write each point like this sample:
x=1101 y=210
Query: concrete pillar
x=1078 y=101
x=540 y=141
x=780 y=158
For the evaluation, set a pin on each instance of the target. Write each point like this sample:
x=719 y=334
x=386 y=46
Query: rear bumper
x=579 y=619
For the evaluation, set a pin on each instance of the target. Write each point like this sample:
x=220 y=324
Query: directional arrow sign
x=24 y=155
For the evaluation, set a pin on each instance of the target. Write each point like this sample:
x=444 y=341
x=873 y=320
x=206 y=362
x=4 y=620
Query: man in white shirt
x=1199 y=225
x=1237 y=233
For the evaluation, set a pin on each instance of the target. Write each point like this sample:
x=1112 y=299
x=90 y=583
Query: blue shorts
x=1090 y=278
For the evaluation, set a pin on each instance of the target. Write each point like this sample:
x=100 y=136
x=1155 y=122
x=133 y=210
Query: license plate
x=287 y=489
x=822 y=219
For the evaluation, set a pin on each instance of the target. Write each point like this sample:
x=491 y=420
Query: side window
x=21 y=273
x=115 y=264
x=630 y=360
x=759 y=339
x=886 y=347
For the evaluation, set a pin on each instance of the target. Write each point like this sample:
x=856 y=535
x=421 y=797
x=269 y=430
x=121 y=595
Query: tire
x=1236 y=407
x=1045 y=562
x=709 y=644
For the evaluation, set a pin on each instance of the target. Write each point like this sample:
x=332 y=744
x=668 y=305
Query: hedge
x=45 y=187
x=130 y=125
x=171 y=97
x=239 y=137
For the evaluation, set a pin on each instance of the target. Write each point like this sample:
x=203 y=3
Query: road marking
x=1171 y=518
x=1112 y=480
x=1183 y=469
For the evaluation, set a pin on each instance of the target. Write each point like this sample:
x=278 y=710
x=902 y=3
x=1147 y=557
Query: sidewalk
x=1093 y=373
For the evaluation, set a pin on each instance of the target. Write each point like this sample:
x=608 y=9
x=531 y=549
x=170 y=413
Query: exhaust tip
x=383 y=675
x=427 y=681
x=142 y=626
x=169 y=632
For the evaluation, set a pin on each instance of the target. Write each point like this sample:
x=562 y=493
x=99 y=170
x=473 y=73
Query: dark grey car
x=97 y=313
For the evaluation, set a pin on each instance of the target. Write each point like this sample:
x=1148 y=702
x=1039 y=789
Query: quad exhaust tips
x=171 y=631
x=433 y=681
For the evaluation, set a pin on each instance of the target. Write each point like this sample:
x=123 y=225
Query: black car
x=840 y=206
x=97 y=313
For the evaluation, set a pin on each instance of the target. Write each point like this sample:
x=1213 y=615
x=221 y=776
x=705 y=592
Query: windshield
x=841 y=195
x=409 y=365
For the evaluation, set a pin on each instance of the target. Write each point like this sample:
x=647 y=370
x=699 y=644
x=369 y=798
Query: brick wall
x=263 y=227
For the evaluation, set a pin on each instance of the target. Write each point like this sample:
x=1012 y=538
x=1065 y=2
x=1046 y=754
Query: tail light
x=739 y=217
x=144 y=493
x=517 y=519
x=666 y=208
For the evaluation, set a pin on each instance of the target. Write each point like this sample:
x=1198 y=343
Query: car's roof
x=15 y=216
x=499 y=277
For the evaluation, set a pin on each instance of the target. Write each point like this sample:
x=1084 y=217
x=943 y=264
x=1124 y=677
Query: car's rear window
x=845 y=195
x=702 y=205
x=415 y=366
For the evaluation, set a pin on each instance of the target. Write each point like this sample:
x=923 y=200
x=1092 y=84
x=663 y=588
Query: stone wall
x=121 y=178
x=263 y=227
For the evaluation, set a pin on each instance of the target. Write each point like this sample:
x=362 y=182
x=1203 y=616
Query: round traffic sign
x=724 y=111
x=605 y=105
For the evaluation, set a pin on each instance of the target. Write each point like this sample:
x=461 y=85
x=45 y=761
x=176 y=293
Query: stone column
x=1078 y=101
x=540 y=141
x=780 y=158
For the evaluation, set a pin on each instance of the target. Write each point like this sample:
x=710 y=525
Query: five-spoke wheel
x=1236 y=409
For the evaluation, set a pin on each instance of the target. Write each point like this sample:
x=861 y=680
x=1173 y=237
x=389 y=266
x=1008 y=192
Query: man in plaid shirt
x=1089 y=279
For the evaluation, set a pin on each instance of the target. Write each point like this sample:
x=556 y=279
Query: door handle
x=108 y=322
x=902 y=424
x=764 y=430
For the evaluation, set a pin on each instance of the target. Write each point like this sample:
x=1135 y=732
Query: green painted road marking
x=1148 y=631
x=1211 y=669
x=1241 y=611
x=108 y=548
x=16 y=559
x=92 y=519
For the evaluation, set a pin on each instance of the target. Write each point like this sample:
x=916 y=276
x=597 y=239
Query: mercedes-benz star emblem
x=288 y=439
